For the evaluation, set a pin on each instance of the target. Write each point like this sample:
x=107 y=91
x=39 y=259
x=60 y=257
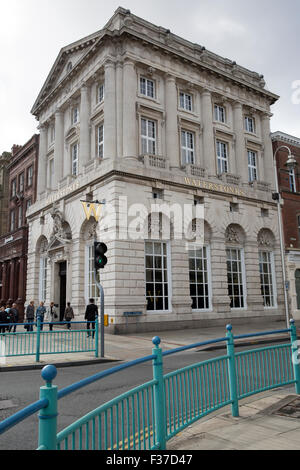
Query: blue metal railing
x=152 y=413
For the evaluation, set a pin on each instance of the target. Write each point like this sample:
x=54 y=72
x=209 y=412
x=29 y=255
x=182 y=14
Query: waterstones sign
x=233 y=190
x=63 y=192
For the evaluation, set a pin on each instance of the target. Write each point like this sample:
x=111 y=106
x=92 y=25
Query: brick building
x=22 y=179
x=289 y=187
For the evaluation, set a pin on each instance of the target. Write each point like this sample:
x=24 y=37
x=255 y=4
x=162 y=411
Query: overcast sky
x=262 y=35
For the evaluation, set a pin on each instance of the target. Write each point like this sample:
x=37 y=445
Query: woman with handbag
x=51 y=315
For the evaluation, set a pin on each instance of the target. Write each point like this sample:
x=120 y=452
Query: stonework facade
x=289 y=187
x=134 y=115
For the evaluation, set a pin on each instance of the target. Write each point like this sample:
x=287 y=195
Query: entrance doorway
x=63 y=289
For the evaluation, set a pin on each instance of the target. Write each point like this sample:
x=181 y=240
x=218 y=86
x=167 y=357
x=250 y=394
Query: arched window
x=236 y=276
x=266 y=241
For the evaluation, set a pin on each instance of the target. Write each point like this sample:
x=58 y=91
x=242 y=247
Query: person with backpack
x=40 y=313
x=69 y=315
x=30 y=316
x=91 y=314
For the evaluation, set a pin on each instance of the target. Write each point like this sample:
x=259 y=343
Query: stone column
x=4 y=283
x=85 y=137
x=119 y=108
x=110 y=147
x=241 y=163
x=42 y=163
x=172 y=143
x=58 y=148
x=209 y=156
x=129 y=110
x=12 y=281
x=268 y=151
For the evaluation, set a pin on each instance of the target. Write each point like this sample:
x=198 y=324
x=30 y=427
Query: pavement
x=261 y=425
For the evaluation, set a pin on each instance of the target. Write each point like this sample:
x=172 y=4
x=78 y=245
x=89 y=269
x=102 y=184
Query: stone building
x=21 y=179
x=134 y=115
x=289 y=187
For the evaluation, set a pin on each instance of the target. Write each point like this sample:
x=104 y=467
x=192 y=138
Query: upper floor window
x=222 y=157
x=252 y=166
x=100 y=93
x=220 y=113
x=74 y=155
x=100 y=141
x=147 y=87
x=249 y=124
x=20 y=217
x=12 y=221
x=30 y=176
x=21 y=182
x=14 y=187
x=52 y=134
x=186 y=101
x=148 y=136
x=75 y=115
x=292 y=179
x=187 y=147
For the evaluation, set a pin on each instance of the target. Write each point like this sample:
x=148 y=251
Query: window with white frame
x=252 y=166
x=100 y=141
x=100 y=93
x=75 y=115
x=51 y=172
x=266 y=269
x=222 y=157
x=185 y=101
x=91 y=289
x=14 y=187
x=199 y=278
x=52 y=134
x=235 y=277
x=21 y=182
x=220 y=113
x=148 y=136
x=147 y=87
x=74 y=159
x=30 y=176
x=157 y=286
x=249 y=124
x=20 y=216
x=12 y=221
x=43 y=279
x=187 y=147
x=292 y=179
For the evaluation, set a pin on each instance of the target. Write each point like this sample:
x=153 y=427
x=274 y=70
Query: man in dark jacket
x=3 y=319
x=14 y=313
x=30 y=316
x=91 y=314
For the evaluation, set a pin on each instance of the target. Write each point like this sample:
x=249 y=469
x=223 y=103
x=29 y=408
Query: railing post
x=295 y=355
x=38 y=338
x=232 y=373
x=159 y=396
x=48 y=415
x=97 y=337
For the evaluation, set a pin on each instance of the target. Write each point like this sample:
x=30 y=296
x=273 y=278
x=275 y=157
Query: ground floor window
x=91 y=289
x=266 y=278
x=43 y=279
x=199 y=278
x=157 y=287
x=235 y=277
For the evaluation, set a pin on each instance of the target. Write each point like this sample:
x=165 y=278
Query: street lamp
x=291 y=164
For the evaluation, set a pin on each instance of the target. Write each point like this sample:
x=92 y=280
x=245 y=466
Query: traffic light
x=100 y=259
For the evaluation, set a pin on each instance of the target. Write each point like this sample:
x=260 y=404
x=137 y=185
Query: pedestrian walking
x=69 y=315
x=40 y=313
x=29 y=316
x=3 y=317
x=8 y=318
x=91 y=313
x=14 y=314
x=51 y=315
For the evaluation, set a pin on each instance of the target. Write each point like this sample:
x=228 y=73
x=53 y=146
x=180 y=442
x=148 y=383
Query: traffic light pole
x=101 y=314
